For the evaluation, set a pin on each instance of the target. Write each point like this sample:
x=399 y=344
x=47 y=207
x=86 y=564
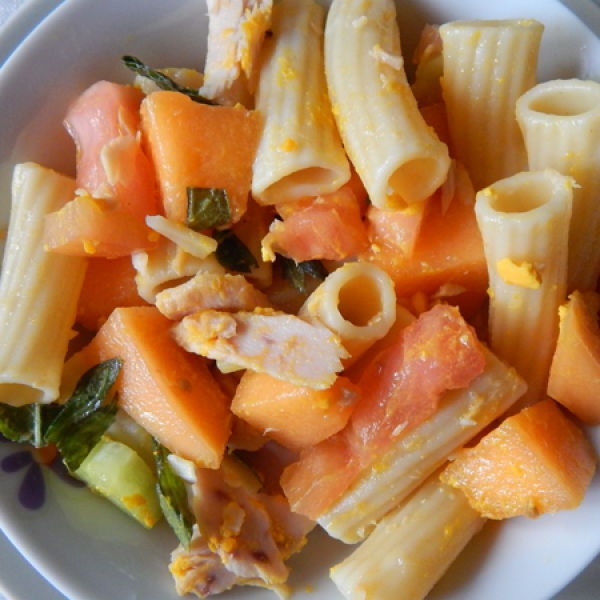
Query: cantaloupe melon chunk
x=575 y=372
x=108 y=284
x=448 y=250
x=168 y=391
x=196 y=145
x=294 y=416
x=535 y=462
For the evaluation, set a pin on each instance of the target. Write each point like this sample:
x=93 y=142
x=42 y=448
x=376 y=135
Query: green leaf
x=84 y=418
x=161 y=80
x=207 y=208
x=27 y=424
x=296 y=273
x=232 y=253
x=173 y=497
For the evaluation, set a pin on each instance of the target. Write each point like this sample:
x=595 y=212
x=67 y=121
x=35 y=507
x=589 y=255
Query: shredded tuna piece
x=210 y=290
x=235 y=34
x=301 y=351
x=243 y=535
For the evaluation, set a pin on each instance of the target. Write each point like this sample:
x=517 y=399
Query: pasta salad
x=280 y=358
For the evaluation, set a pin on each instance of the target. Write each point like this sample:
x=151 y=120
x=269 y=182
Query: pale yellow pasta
x=419 y=452
x=300 y=152
x=487 y=66
x=560 y=121
x=38 y=291
x=358 y=302
x=524 y=222
x=194 y=243
x=168 y=265
x=411 y=547
x=398 y=157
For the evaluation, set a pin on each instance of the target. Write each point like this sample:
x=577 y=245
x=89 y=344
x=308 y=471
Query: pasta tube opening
x=300 y=184
x=358 y=302
x=534 y=193
x=572 y=100
x=411 y=179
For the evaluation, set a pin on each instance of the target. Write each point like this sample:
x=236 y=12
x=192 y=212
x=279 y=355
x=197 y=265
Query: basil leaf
x=162 y=81
x=232 y=253
x=172 y=496
x=296 y=273
x=207 y=208
x=27 y=424
x=84 y=418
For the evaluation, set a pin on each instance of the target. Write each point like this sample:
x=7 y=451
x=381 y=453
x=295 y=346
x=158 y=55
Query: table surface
x=584 y=587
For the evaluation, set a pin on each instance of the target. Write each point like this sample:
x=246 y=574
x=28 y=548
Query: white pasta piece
x=487 y=66
x=297 y=350
x=358 y=302
x=524 y=221
x=168 y=265
x=210 y=290
x=419 y=452
x=39 y=291
x=398 y=157
x=194 y=243
x=411 y=547
x=300 y=152
x=560 y=121
x=236 y=29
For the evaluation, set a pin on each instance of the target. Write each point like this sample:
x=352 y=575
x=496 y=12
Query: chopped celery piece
x=117 y=472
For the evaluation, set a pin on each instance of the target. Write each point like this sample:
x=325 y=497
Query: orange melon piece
x=575 y=372
x=535 y=462
x=449 y=250
x=86 y=227
x=108 y=284
x=294 y=416
x=195 y=145
x=167 y=390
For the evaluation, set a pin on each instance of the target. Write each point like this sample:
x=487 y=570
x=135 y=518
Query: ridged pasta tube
x=487 y=66
x=524 y=221
x=560 y=121
x=300 y=152
x=418 y=453
x=411 y=547
x=398 y=157
x=39 y=291
x=358 y=302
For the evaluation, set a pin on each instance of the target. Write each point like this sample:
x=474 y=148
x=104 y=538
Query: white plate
x=80 y=543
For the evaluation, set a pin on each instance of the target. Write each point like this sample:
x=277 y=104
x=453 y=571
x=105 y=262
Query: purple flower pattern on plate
x=32 y=491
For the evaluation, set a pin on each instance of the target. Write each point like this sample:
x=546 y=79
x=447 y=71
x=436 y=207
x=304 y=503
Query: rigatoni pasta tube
x=398 y=157
x=39 y=291
x=357 y=301
x=524 y=221
x=462 y=414
x=560 y=121
x=300 y=152
x=487 y=66
x=411 y=547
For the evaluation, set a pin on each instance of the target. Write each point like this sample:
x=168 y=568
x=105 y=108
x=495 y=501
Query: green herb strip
x=82 y=421
x=172 y=496
x=207 y=208
x=232 y=253
x=161 y=80
x=296 y=273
